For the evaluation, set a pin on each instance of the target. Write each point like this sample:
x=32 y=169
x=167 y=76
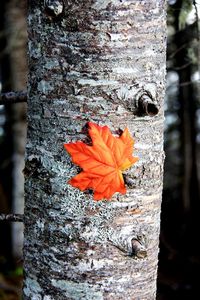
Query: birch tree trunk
x=101 y=61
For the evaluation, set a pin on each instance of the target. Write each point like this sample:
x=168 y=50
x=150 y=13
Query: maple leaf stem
x=128 y=180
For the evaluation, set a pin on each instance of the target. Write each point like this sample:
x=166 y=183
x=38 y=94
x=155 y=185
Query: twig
x=13 y=97
x=189 y=82
x=197 y=19
x=173 y=54
x=12 y=217
x=183 y=83
x=198 y=36
x=180 y=68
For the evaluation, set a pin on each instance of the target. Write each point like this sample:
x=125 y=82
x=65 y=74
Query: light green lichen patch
x=51 y=64
x=44 y=87
x=102 y=4
x=32 y=289
x=77 y=291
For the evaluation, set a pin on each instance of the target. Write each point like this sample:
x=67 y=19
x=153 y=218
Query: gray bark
x=93 y=60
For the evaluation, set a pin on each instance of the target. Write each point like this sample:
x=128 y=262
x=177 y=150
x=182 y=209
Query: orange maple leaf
x=103 y=162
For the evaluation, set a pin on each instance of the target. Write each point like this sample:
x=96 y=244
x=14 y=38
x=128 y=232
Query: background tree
x=17 y=41
x=102 y=61
x=13 y=73
x=179 y=257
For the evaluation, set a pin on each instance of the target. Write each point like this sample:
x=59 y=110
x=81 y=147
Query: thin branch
x=12 y=217
x=189 y=82
x=13 y=97
x=172 y=55
x=180 y=68
x=182 y=84
x=198 y=36
x=197 y=19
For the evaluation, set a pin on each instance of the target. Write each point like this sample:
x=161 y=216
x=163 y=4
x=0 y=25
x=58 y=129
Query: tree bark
x=93 y=61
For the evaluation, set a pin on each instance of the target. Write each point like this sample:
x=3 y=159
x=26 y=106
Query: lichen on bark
x=89 y=63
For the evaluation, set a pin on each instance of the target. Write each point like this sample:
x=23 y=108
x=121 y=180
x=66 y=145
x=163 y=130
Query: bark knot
x=54 y=7
x=133 y=245
x=146 y=105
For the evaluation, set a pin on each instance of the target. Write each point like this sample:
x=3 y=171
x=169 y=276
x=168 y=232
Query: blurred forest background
x=179 y=261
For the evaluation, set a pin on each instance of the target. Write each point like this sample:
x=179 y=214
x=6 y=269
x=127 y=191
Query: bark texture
x=93 y=60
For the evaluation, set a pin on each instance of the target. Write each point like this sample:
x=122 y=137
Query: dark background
x=179 y=259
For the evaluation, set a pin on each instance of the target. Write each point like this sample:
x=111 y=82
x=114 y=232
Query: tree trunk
x=99 y=61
